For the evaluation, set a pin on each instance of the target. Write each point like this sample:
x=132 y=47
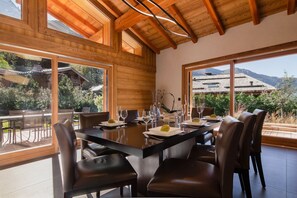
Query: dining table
x=146 y=152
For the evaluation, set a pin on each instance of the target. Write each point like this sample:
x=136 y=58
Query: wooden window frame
x=26 y=155
x=253 y=55
x=133 y=42
x=27 y=20
x=108 y=29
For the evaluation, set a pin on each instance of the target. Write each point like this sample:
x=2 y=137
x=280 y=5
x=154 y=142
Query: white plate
x=157 y=131
x=189 y=122
x=117 y=123
x=140 y=119
x=212 y=118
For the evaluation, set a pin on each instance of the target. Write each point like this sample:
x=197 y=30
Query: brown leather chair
x=191 y=178
x=206 y=153
x=255 y=149
x=91 y=150
x=132 y=115
x=91 y=175
x=207 y=136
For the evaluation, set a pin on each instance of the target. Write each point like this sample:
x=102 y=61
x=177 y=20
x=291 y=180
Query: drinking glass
x=146 y=118
x=153 y=112
x=124 y=114
x=200 y=106
x=118 y=110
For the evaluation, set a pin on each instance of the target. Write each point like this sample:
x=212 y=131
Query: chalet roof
x=221 y=84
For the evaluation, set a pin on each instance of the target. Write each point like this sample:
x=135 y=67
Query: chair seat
x=204 y=153
x=95 y=150
x=201 y=179
x=102 y=170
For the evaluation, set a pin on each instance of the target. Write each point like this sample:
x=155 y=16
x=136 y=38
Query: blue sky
x=272 y=66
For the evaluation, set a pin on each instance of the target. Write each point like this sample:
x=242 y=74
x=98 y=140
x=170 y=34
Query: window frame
x=232 y=60
x=25 y=155
x=108 y=28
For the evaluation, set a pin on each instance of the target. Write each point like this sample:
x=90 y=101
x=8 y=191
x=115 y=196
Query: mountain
x=271 y=80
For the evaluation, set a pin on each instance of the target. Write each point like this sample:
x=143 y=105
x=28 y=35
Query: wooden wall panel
x=134 y=88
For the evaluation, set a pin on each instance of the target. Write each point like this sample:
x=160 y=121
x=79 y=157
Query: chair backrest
x=33 y=119
x=65 y=114
x=248 y=119
x=132 y=115
x=67 y=143
x=206 y=111
x=88 y=120
x=226 y=152
x=257 y=132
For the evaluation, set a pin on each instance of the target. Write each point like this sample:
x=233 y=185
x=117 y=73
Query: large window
x=213 y=85
x=271 y=84
x=11 y=8
x=264 y=83
x=78 y=18
x=25 y=102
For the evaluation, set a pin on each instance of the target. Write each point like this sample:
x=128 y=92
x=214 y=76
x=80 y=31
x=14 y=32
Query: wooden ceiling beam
x=117 y=13
x=162 y=32
x=131 y=17
x=210 y=8
x=179 y=17
x=291 y=7
x=254 y=11
x=74 y=15
x=144 y=40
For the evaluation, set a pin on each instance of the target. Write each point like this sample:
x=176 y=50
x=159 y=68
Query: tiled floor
x=43 y=179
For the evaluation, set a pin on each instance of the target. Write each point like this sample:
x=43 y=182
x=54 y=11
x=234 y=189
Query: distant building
x=221 y=84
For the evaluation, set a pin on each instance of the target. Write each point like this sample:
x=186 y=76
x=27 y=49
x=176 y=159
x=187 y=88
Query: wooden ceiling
x=199 y=17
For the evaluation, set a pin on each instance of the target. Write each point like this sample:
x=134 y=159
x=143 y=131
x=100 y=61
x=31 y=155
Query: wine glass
x=118 y=110
x=146 y=118
x=153 y=112
x=200 y=106
x=124 y=114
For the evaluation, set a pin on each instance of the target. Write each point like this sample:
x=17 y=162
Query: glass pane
x=55 y=24
x=25 y=102
x=81 y=89
x=212 y=85
x=78 y=18
x=270 y=84
x=11 y=8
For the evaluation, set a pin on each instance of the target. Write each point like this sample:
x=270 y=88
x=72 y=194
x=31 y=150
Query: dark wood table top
x=131 y=140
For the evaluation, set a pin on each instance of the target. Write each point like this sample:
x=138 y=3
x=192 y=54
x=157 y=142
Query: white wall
x=275 y=29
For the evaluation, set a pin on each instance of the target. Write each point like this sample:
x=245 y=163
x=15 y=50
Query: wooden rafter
x=208 y=4
x=254 y=11
x=74 y=15
x=159 y=29
x=117 y=13
x=291 y=6
x=162 y=32
x=132 y=17
x=179 y=17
